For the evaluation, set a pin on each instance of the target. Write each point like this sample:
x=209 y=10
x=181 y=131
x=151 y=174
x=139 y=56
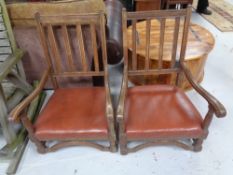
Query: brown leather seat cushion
x=160 y=111
x=73 y=113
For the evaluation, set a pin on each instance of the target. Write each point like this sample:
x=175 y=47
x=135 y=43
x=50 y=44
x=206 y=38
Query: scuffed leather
x=160 y=111
x=73 y=113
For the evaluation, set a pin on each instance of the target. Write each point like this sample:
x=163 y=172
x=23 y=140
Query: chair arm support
x=109 y=108
x=123 y=93
x=114 y=31
x=218 y=108
x=8 y=64
x=15 y=113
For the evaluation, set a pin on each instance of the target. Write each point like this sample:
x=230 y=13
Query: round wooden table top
x=200 y=40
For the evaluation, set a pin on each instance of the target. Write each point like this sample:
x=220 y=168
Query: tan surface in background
x=23 y=14
x=222 y=14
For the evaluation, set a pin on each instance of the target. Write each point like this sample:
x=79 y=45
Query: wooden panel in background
x=143 y=5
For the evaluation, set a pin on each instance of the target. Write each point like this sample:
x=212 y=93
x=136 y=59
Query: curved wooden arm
x=15 y=113
x=218 y=108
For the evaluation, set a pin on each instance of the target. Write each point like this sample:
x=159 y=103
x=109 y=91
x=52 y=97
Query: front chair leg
x=113 y=147
x=41 y=148
x=123 y=145
x=197 y=144
x=112 y=141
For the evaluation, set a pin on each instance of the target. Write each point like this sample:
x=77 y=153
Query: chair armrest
x=8 y=64
x=109 y=107
x=218 y=108
x=123 y=93
x=15 y=113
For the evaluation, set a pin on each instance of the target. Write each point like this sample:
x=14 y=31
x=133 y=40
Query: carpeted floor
x=222 y=14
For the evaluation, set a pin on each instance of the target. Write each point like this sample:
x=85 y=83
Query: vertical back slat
x=148 y=28
x=45 y=48
x=180 y=76
x=103 y=42
x=81 y=47
x=134 y=35
x=68 y=50
x=104 y=54
x=94 y=46
x=161 y=42
x=185 y=34
x=55 y=50
x=175 y=40
x=44 y=44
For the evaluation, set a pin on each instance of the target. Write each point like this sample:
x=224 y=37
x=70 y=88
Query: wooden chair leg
x=123 y=145
x=112 y=135
x=197 y=144
x=41 y=148
x=112 y=140
x=113 y=146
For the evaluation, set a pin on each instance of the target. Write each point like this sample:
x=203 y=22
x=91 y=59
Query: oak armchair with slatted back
x=160 y=114
x=72 y=116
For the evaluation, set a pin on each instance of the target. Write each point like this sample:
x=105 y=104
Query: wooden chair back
x=161 y=37
x=68 y=57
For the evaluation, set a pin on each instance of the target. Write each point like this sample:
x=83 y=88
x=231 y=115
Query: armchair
x=161 y=114
x=77 y=115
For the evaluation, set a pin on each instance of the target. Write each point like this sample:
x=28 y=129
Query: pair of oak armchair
x=154 y=114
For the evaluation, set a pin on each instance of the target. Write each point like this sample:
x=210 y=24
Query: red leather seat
x=73 y=113
x=160 y=111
